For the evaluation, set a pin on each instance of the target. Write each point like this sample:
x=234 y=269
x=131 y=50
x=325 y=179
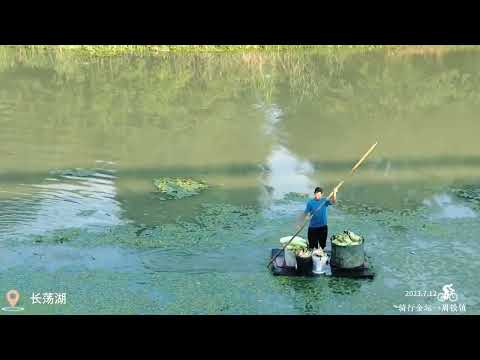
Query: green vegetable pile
x=298 y=244
x=178 y=188
x=318 y=252
x=305 y=253
x=295 y=248
x=347 y=238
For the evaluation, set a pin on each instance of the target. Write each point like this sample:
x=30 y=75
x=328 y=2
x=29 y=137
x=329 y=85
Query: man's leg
x=312 y=238
x=323 y=236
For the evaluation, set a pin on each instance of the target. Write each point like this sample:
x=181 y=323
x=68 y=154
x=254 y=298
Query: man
x=318 y=229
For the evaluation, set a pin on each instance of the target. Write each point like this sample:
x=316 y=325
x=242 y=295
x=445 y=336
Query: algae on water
x=213 y=217
x=209 y=229
x=469 y=193
x=292 y=197
x=57 y=236
x=359 y=209
x=179 y=188
x=295 y=196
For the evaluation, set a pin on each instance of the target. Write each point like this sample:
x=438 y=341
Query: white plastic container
x=290 y=259
x=319 y=264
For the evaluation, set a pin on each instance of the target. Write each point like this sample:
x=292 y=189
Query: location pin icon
x=12 y=297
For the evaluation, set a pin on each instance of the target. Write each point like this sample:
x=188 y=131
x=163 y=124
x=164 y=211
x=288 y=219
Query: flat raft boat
x=279 y=268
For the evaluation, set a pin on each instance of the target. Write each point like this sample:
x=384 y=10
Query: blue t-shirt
x=319 y=217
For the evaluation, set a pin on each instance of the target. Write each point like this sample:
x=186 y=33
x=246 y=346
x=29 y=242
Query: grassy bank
x=142 y=50
x=152 y=49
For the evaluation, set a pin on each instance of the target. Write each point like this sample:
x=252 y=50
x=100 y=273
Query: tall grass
x=141 y=50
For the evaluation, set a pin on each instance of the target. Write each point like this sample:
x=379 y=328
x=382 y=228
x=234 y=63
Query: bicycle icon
x=448 y=294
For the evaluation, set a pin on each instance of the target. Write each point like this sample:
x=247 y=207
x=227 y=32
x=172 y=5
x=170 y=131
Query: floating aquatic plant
x=226 y=216
x=57 y=236
x=357 y=208
x=179 y=188
x=295 y=196
x=214 y=224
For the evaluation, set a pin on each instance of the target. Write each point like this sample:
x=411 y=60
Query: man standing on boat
x=318 y=228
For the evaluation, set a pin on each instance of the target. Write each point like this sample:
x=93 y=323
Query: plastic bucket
x=304 y=265
x=347 y=257
x=290 y=259
x=319 y=264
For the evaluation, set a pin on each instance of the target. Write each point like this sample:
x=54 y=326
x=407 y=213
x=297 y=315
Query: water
x=83 y=139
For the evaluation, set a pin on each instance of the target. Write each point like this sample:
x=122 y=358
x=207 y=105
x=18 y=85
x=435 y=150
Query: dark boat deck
x=279 y=268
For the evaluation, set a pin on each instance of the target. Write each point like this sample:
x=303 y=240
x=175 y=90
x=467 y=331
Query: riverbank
x=142 y=50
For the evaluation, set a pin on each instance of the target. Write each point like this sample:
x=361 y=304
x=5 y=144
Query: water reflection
x=287 y=173
x=179 y=116
x=62 y=201
x=283 y=172
x=273 y=116
x=443 y=207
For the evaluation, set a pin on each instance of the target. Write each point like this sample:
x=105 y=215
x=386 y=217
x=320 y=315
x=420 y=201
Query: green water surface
x=82 y=140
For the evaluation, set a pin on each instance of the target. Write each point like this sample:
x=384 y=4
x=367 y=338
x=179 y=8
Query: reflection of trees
x=194 y=111
x=154 y=117
x=119 y=98
x=409 y=106
x=390 y=101
x=370 y=84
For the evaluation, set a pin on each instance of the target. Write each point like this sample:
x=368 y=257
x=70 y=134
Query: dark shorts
x=317 y=237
